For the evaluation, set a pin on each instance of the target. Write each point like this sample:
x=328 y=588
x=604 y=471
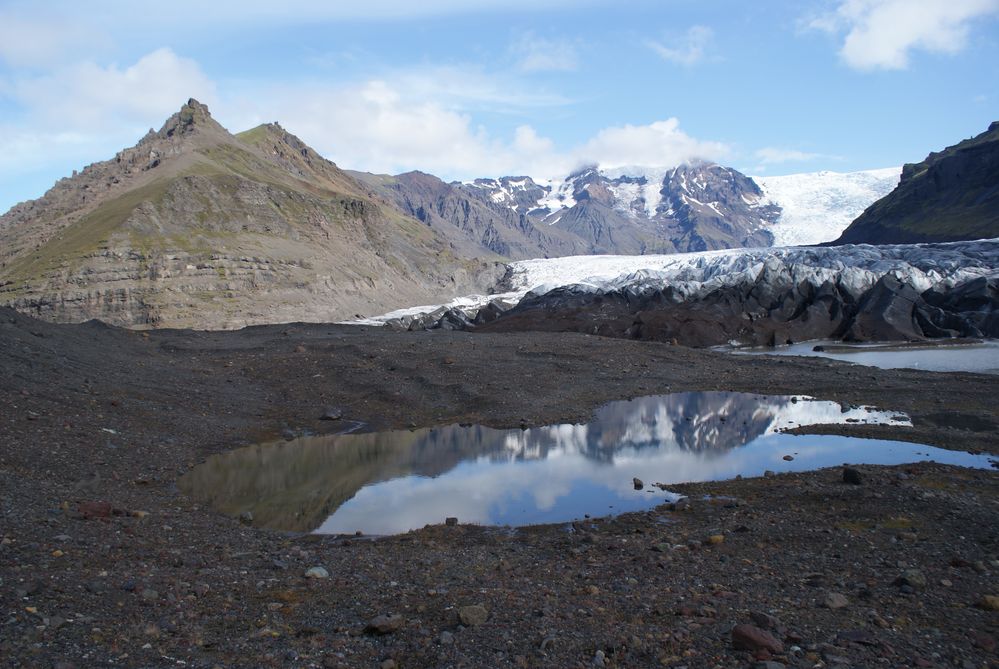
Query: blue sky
x=488 y=88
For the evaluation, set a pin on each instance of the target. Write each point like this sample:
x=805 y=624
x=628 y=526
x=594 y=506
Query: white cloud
x=94 y=98
x=661 y=143
x=537 y=54
x=882 y=34
x=413 y=119
x=687 y=50
x=388 y=126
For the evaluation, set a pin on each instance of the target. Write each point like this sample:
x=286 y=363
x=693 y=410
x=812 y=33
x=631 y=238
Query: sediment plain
x=104 y=562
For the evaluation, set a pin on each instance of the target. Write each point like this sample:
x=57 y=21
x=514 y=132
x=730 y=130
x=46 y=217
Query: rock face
x=195 y=227
x=951 y=195
x=775 y=297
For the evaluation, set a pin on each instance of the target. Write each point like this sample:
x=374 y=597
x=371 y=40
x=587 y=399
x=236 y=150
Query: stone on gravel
x=767 y=622
x=989 y=603
x=851 y=476
x=912 y=578
x=446 y=638
x=472 y=615
x=317 y=572
x=835 y=600
x=332 y=413
x=95 y=510
x=385 y=624
x=637 y=483
x=752 y=638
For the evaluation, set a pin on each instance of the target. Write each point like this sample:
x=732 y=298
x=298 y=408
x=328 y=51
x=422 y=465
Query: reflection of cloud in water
x=485 y=493
x=392 y=481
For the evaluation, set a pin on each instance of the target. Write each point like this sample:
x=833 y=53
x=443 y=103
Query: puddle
x=981 y=357
x=391 y=482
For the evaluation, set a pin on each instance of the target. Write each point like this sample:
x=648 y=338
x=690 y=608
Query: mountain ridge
x=951 y=195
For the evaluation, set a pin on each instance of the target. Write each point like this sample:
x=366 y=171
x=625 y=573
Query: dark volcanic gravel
x=103 y=562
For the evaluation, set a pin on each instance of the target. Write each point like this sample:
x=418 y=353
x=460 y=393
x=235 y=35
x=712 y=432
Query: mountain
x=471 y=217
x=951 y=195
x=692 y=207
x=196 y=227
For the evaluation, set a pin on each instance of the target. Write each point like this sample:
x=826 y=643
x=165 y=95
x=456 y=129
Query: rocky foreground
x=104 y=563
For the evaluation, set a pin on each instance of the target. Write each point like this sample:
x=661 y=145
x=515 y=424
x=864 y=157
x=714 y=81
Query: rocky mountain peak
x=192 y=117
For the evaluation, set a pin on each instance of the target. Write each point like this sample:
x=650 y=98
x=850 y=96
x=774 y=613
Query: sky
x=485 y=88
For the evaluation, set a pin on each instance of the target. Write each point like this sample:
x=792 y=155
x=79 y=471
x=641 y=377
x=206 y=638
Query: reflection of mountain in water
x=296 y=485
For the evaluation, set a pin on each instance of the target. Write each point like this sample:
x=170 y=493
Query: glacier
x=756 y=295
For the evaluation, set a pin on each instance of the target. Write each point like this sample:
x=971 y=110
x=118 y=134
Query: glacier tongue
x=860 y=266
x=854 y=268
x=816 y=207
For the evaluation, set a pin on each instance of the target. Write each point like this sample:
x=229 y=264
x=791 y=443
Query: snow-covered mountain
x=692 y=207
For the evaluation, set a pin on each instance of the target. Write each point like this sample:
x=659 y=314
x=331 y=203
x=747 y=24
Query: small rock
x=753 y=639
x=768 y=665
x=788 y=458
x=317 y=572
x=385 y=624
x=389 y=664
x=332 y=413
x=472 y=615
x=851 y=476
x=150 y=595
x=95 y=510
x=246 y=518
x=989 y=603
x=769 y=474
x=715 y=539
x=599 y=659
x=835 y=600
x=638 y=483
x=451 y=521
x=912 y=578
x=768 y=622
x=446 y=638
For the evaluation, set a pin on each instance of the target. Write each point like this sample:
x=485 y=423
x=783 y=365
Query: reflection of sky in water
x=567 y=487
x=389 y=482
x=982 y=358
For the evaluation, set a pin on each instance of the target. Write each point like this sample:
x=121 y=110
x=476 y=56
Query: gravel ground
x=103 y=562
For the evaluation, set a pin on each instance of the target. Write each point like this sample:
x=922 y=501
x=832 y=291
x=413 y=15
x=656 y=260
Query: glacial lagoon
x=390 y=482
x=981 y=357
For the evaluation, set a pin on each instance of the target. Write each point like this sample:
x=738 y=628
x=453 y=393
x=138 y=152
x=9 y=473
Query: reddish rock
x=95 y=509
x=753 y=639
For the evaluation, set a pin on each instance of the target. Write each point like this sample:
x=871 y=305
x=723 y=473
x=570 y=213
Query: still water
x=981 y=357
x=391 y=482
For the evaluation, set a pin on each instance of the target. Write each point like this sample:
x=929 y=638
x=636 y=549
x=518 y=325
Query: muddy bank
x=103 y=561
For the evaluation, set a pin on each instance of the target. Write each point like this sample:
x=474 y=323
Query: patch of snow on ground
x=654 y=177
x=818 y=206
